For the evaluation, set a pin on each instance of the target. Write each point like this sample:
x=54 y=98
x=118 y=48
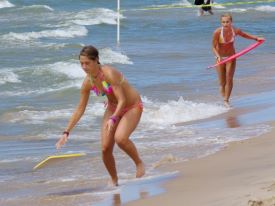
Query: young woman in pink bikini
x=223 y=46
x=122 y=115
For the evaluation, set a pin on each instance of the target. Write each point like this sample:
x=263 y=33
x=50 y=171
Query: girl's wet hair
x=227 y=15
x=91 y=52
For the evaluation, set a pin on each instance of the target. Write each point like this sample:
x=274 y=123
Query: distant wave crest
x=95 y=16
x=265 y=8
x=37 y=8
x=68 y=32
x=5 y=4
x=108 y=56
x=72 y=68
x=8 y=77
x=68 y=70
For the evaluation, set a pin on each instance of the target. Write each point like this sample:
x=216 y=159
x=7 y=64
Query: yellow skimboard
x=43 y=162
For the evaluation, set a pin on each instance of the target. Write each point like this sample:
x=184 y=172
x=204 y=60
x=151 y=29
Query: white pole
x=118 y=21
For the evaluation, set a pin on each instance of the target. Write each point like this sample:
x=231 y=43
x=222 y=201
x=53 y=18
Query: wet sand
x=243 y=173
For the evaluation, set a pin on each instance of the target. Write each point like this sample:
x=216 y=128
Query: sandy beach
x=241 y=174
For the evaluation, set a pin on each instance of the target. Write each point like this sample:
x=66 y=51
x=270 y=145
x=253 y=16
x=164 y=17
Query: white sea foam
x=157 y=114
x=95 y=16
x=182 y=2
x=71 y=69
x=265 y=8
x=147 y=177
x=167 y=113
x=108 y=191
x=68 y=25
x=40 y=7
x=28 y=116
x=37 y=117
x=5 y=4
x=257 y=8
x=6 y=42
x=108 y=56
x=66 y=32
x=38 y=91
x=8 y=77
x=223 y=136
x=217 y=6
x=238 y=10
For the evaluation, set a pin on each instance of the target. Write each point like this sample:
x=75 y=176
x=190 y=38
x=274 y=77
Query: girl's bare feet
x=113 y=182
x=226 y=103
x=140 y=170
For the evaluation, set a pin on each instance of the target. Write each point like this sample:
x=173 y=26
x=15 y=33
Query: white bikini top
x=222 y=40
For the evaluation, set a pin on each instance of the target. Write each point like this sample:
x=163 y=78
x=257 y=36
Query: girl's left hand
x=260 y=39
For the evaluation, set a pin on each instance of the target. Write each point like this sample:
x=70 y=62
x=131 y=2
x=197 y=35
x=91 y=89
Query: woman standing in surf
x=223 y=47
x=123 y=110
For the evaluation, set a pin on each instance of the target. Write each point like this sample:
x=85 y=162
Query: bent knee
x=222 y=84
x=229 y=81
x=121 y=141
x=106 y=150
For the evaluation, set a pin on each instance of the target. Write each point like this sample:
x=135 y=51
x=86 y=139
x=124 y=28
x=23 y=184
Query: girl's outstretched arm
x=79 y=111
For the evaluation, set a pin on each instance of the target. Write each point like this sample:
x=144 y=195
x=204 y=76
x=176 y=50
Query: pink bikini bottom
x=112 y=107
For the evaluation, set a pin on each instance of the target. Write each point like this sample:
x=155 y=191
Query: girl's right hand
x=260 y=39
x=61 y=141
x=110 y=126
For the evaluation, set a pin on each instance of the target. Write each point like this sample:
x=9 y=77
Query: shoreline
x=240 y=174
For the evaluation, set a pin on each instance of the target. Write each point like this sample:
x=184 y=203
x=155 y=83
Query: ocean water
x=163 y=52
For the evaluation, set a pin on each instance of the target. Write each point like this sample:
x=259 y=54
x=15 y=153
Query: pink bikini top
x=107 y=88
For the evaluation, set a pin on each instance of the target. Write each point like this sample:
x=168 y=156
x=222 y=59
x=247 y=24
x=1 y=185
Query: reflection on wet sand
x=117 y=198
x=140 y=189
x=232 y=121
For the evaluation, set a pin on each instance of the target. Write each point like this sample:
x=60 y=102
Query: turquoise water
x=162 y=52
